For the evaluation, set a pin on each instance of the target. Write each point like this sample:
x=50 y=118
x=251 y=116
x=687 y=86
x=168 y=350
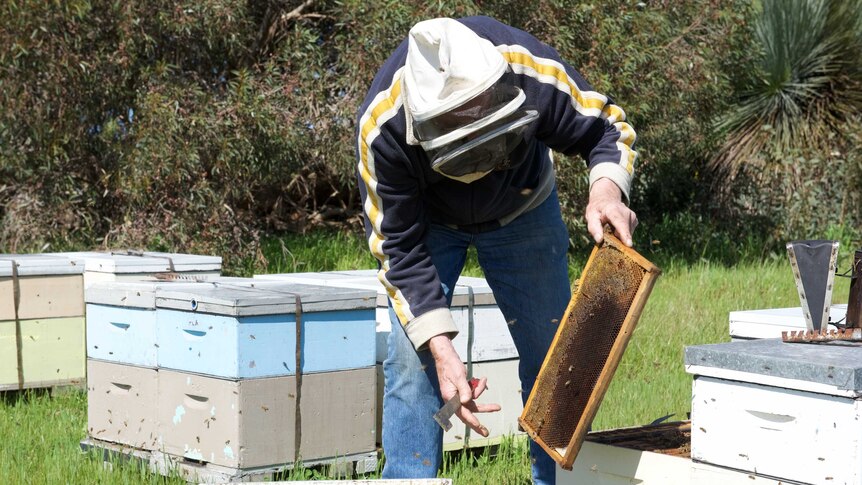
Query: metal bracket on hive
x=587 y=348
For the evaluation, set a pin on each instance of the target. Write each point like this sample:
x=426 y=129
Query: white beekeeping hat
x=447 y=64
x=461 y=102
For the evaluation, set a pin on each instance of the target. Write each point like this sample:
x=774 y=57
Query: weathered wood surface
x=250 y=423
x=148 y=262
x=121 y=404
x=838 y=364
x=93 y=277
x=263 y=298
x=601 y=464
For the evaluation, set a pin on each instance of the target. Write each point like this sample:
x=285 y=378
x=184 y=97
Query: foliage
x=807 y=85
x=791 y=155
x=199 y=126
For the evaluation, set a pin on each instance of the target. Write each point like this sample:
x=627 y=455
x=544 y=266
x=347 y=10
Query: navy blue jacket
x=401 y=194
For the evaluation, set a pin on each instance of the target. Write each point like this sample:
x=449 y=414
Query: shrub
x=791 y=154
x=198 y=126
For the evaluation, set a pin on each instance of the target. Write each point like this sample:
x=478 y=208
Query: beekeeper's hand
x=606 y=207
x=453 y=379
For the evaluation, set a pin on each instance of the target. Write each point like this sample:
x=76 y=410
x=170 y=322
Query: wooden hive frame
x=587 y=348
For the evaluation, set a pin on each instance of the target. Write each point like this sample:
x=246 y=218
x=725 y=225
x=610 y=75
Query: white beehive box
x=750 y=324
x=128 y=265
x=491 y=337
x=787 y=410
x=51 y=318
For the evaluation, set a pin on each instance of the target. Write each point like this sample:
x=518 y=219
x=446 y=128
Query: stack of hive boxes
x=41 y=321
x=207 y=371
x=483 y=342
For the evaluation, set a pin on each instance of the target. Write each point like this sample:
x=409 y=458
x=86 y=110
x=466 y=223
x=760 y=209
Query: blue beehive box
x=121 y=321
x=239 y=329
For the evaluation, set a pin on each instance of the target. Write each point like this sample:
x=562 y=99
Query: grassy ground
x=689 y=305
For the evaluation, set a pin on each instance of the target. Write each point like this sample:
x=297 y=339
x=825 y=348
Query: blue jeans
x=525 y=265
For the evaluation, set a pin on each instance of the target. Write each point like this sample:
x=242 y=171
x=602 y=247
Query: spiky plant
x=807 y=89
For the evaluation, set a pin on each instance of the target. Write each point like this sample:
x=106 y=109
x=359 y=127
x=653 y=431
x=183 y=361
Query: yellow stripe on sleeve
x=587 y=103
x=384 y=106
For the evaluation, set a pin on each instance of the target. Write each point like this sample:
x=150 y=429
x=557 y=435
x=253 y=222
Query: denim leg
x=412 y=440
x=525 y=263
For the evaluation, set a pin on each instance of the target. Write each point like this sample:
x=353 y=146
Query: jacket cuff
x=616 y=173
x=430 y=324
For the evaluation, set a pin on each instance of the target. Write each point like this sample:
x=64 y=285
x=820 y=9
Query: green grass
x=689 y=305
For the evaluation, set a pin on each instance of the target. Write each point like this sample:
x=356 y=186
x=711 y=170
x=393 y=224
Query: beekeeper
x=454 y=148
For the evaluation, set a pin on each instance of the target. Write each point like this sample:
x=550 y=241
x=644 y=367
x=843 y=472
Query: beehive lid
x=134 y=294
x=770 y=323
x=263 y=298
x=837 y=364
x=123 y=261
x=40 y=265
x=367 y=280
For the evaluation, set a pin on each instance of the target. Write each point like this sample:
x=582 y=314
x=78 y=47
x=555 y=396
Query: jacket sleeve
x=573 y=119
x=395 y=220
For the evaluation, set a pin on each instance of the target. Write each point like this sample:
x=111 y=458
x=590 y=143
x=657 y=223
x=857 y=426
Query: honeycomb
x=587 y=348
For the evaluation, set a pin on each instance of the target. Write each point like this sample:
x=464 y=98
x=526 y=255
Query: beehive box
x=587 y=348
x=121 y=321
x=750 y=324
x=250 y=422
x=50 y=314
x=121 y=404
x=125 y=265
x=491 y=337
x=648 y=455
x=226 y=329
x=796 y=405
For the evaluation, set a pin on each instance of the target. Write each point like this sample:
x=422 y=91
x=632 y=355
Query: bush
x=791 y=154
x=198 y=126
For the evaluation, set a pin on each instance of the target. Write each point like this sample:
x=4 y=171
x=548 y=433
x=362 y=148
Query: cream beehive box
x=44 y=326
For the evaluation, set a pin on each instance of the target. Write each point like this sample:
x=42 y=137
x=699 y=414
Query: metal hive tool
x=587 y=348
